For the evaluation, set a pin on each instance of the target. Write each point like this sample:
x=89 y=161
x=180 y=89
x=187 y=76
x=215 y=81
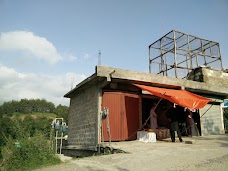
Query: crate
x=163 y=133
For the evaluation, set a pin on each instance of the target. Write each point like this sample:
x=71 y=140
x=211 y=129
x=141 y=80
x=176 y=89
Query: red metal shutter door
x=130 y=108
x=112 y=100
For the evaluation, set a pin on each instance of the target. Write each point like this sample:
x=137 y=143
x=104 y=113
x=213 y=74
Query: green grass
x=51 y=115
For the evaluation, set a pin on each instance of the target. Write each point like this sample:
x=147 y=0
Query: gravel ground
x=205 y=154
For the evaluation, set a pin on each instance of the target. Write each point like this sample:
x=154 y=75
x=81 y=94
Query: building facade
x=129 y=106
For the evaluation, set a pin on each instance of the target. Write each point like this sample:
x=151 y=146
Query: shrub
x=30 y=153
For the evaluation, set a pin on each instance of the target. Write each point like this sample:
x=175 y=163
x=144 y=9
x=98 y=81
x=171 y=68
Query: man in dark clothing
x=189 y=121
x=172 y=115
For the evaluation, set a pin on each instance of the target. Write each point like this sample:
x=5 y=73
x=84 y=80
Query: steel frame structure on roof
x=176 y=54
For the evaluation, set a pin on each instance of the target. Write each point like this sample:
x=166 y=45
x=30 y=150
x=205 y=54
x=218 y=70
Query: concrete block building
x=129 y=106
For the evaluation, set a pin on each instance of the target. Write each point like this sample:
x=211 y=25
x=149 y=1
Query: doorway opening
x=188 y=126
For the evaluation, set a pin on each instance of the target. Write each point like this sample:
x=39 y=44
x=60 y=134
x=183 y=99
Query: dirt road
x=205 y=154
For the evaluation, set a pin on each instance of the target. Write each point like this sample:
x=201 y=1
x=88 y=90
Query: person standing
x=172 y=115
x=153 y=118
x=189 y=122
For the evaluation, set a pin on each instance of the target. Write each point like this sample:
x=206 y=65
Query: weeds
x=28 y=153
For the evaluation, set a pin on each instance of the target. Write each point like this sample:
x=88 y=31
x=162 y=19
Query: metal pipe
x=175 y=58
x=149 y=61
x=213 y=61
x=203 y=52
x=192 y=36
x=205 y=49
x=56 y=143
x=220 y=56
x=188 y=42
x=162 y=61
x=160 y=38
x=61 y=144
x=197 y=64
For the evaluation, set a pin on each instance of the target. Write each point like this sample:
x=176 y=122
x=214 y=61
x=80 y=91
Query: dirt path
x=206 y=153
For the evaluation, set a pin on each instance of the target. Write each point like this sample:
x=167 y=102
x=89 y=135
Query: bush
x=29 y=154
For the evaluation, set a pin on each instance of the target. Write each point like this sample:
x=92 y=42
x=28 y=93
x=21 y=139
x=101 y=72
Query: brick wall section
x=83 y=118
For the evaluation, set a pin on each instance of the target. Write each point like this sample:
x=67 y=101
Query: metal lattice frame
x=176 y=54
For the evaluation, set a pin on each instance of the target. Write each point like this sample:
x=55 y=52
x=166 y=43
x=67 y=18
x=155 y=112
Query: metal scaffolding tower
x=176 y=54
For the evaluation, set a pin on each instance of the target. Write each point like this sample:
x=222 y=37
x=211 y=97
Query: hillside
x=34 y=115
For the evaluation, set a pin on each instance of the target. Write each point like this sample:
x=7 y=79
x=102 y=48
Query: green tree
x=6 y=130
x=43 y=125
x=15 y=105
x=1 y=112
x=29 y=125
x=27 y=106
x=62 y=112
x=7 y=108
x=7 y=127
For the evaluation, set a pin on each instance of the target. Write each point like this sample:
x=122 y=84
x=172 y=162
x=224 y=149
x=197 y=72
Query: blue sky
x=46 y=45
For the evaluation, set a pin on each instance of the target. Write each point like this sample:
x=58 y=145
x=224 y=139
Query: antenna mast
x=99 y=58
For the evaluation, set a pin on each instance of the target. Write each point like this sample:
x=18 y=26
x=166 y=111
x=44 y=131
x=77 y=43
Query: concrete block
x=209 y=74
x=225 y=74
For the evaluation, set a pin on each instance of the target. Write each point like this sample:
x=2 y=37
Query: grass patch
x=34 y=115
x=49 y=115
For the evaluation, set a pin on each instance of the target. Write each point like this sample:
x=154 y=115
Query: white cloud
x=32 y=45
x=16 y=86
x=69 y=57
x=86 y=56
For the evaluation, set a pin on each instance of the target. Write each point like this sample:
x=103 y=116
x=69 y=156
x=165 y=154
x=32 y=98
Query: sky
x=49 y=46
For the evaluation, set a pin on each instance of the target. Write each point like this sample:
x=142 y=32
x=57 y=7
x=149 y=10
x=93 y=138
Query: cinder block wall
x=212 y=121
x=209 y=76
x=83 y=118
x=214 y=77
x=196 y=75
